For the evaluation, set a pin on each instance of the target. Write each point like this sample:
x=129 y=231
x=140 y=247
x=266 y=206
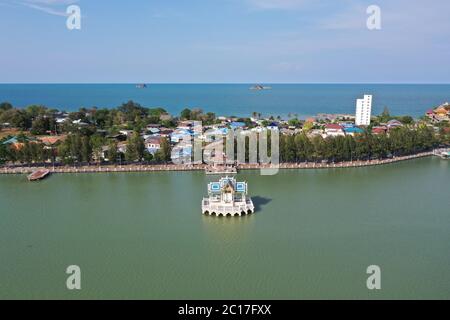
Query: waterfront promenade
x=197 y=167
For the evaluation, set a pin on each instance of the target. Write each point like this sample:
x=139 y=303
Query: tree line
x=82 y=149
x=39 y=119
x=293 y=148
x=399 y=142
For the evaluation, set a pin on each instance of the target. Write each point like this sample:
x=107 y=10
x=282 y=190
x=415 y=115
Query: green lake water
x=142 y=235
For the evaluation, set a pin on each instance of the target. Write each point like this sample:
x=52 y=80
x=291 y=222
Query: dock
x=220 y=170
x=443 y=153
x=38 y=175
x=105 y=168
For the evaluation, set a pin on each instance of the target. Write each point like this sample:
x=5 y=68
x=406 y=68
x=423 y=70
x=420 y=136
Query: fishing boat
x=260 y=87
x=141 y=86
x=38 y=175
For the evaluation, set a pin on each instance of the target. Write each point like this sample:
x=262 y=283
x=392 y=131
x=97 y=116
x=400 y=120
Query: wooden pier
x=202 y=167
x=220 y=170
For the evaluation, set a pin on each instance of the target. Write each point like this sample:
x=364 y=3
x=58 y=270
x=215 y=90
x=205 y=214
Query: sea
x=301 y=100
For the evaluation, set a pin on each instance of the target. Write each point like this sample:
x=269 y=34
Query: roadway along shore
x=173 y=167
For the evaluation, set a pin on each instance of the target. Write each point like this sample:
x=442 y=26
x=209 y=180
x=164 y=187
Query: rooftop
x=333 y=126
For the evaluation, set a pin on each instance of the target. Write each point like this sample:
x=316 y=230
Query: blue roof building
x=179 y=135
x=353 y=130
x=11 y=140
x=237 y=125
x=213 y=134
x=273 y=126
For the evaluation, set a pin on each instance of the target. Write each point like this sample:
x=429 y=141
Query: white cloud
x=53 y=7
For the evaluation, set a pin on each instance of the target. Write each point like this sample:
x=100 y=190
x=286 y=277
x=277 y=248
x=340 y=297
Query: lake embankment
x=197 y=167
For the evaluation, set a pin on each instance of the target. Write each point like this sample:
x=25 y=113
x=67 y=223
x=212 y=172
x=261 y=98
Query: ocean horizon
x=237 y=99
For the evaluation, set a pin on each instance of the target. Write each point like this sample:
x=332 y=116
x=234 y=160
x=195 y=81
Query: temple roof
x=227 y=184
x=228 y=187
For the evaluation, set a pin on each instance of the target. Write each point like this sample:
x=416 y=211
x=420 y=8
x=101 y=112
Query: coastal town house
x=237 y=125
x=379 y=130
x=394 y=123
x=181 y=134
x=439 y=114
x=215 y=133
x=153 y=144
x=333 y=130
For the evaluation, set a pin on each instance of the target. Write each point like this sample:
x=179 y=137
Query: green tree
x=168 y=123
x=308 y=126
x=113 y=152
x=26 y=153
x=294 y=122
x=17 y=118
x=406 y=120
x=102 y=118
x=132 y=110
x=5 y=106
x=362 y=146
x=97 y=142
x=4 y=152
x=135 y=148
x=385 y=116
x=186 y=114
x=35 y=111
x=86 y=149
x=304 y=148
x=71 y=150
x=163 y=154
x=148 y=157
x=42 y=124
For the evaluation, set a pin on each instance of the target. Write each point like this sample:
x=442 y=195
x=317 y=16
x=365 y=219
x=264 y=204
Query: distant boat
x=141 y=86
x=260 y=87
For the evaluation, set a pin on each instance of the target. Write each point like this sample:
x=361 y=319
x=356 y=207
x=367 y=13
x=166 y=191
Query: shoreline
x=199 y=167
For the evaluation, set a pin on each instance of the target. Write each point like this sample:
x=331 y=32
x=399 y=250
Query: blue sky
x=225 y=41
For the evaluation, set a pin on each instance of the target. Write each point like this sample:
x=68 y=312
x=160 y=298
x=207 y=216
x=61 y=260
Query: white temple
x=227 y=197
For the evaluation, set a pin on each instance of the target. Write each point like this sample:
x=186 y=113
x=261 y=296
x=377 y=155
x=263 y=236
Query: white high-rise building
x=363 y=110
